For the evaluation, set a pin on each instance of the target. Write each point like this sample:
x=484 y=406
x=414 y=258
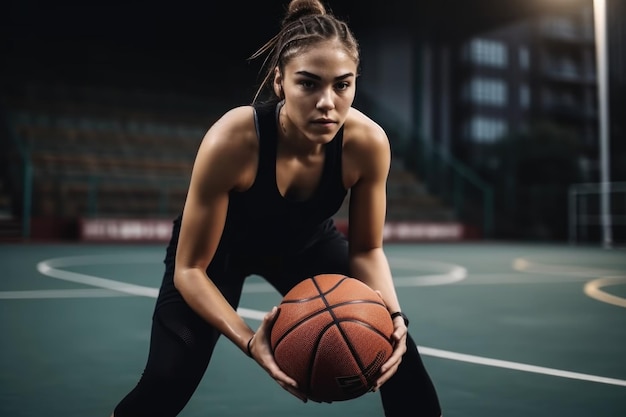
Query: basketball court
x=505 y=329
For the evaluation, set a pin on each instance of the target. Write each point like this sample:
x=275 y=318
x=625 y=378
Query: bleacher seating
x=409 y=200
x=95 y=154
x=94 y=160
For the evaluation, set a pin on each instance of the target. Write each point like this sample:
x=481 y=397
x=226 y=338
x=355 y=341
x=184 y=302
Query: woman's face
x=318 y=86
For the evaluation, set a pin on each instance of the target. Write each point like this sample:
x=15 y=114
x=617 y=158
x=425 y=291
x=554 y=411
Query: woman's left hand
x=390 y=367
x=261 y=352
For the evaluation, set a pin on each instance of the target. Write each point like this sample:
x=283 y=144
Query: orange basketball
x=331 y=335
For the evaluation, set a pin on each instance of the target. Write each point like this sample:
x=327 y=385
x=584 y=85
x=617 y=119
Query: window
x=524 y=96
x=488 y=91
x=486 y=130
x=524 y=58
x=487 y=52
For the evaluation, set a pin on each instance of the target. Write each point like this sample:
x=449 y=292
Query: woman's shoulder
x=235 y=127
x=236 y=119
x=229 y=149
x=366 y=149
x=361 y=128
x=232 y=135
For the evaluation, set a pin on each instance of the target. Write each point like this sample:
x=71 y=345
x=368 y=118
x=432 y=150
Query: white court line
x=454 y=274
x=519 y=366
x=519 y=278
x=251 y=314
x=479 y=360
x=448 y=273
x=42 y=294
x=46 y=268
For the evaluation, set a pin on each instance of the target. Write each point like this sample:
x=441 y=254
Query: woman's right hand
x=261 y=351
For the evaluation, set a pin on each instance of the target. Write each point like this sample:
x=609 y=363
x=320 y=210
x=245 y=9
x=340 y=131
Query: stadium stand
x=118 y=154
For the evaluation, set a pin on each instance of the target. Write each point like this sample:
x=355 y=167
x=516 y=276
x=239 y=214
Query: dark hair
x=306 y=23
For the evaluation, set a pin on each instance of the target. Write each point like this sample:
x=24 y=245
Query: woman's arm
x=225 y=160
x=366 y=168
x=369 y=160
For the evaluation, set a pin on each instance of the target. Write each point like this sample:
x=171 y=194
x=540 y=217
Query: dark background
x=183 y=49
x=200 y=47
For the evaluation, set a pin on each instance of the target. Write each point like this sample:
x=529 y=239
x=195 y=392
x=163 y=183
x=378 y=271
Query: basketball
x=331 y=335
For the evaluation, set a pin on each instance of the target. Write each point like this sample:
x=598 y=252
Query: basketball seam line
x=347 y=341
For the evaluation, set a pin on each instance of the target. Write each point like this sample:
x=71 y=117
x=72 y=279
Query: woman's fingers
x=263 y=355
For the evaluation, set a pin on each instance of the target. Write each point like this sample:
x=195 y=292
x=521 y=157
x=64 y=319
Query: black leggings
x=181 y=343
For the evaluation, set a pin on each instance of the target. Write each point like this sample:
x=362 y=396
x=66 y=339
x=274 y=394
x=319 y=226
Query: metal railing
x=585 y=214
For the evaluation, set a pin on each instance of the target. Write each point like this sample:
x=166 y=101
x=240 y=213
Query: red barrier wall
x=143 y=230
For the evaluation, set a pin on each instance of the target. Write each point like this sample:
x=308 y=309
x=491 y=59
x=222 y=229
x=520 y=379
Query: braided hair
x=305 y=24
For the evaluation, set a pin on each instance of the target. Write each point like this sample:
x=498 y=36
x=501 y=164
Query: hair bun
x=298 y=9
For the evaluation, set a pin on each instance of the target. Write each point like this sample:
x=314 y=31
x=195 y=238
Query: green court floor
x=505 y=329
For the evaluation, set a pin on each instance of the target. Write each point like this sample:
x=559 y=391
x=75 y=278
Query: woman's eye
x=307 y=84
x=342 y=86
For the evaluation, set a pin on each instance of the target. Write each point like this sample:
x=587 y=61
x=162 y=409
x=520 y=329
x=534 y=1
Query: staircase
x=408 y=200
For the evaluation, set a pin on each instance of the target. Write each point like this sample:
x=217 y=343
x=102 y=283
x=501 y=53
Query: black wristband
x=248 y=346
x=400 y=314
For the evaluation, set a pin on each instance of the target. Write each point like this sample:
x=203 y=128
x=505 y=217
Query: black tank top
x=260 y=221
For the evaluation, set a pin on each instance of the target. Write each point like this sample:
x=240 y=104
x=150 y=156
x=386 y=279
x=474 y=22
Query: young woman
x=265 y=184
